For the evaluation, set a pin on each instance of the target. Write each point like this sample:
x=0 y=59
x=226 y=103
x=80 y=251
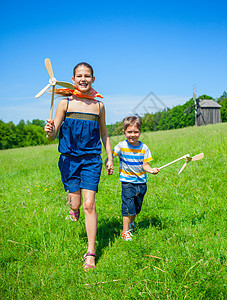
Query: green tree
x=34 y=135
x=205 y=97
x=148 y=122
x=38 y=122
x=22 y=135
x=4 y=135
x=118 y=129
x=7 y=135
x=223 y=102
x=156 y=119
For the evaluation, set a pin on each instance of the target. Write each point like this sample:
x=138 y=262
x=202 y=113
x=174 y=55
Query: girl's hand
x=109 y=167
x=49 y=128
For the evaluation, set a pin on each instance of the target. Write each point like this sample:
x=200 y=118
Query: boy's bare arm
x=150 y=170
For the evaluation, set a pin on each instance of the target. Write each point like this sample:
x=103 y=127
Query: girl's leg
x=90 y=222
x=74 y=201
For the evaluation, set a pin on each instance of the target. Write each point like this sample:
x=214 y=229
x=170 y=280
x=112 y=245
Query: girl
x=81 y=120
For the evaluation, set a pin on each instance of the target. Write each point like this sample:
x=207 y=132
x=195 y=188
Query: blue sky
x=134 y=47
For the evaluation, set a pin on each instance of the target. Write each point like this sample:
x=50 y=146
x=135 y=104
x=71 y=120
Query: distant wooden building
x=208 y=112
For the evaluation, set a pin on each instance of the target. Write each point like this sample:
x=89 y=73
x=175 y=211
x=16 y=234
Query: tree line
x=177 y=117
x=22 y=135
x=32 y=133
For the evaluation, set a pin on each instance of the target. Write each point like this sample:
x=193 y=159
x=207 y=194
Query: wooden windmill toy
x=52 y=82
x=187 y=160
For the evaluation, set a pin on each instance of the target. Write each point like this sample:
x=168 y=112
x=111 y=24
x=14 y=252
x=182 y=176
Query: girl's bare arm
x=52 y=127
x=106 y=140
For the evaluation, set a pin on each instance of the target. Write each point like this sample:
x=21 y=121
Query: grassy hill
x=178 y=249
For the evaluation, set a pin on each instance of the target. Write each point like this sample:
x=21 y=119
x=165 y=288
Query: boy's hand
x=155 y=171
x=150 y=170
x=109 y=166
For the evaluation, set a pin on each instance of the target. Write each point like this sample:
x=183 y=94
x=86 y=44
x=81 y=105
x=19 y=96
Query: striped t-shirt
x=131 y=161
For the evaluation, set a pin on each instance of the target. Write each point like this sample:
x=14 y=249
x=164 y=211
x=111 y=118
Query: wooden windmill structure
x=206 y=111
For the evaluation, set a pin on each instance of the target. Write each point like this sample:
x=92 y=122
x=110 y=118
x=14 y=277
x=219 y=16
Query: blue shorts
x=80 y=172
x=132 y=198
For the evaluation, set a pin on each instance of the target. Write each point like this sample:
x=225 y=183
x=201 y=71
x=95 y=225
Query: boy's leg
x=132 y=225
x=90 y=223
x=128 y=208
x=74 y=202
x=126 y=222
x=141 y=191
x=132 y=218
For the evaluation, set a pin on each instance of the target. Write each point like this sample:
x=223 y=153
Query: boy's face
x=132 y=134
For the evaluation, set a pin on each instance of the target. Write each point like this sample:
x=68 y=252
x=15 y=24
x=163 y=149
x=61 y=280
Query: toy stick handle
x=172 y=162
x=52 y=102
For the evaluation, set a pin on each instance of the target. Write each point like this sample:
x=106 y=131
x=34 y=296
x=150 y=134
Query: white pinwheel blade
x=49 y=67
x=198 y=157
x=66 y=85
x=42 y=91
x=182 y=168
x=188 y=159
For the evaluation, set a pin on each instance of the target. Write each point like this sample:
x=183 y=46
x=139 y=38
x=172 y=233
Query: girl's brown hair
x=132 y=120
x=68 y=92
x=83 y=64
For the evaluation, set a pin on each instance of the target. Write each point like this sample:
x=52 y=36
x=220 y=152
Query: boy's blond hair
x=132 y=120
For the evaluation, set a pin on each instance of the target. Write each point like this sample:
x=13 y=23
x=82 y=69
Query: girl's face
x=132 y=134
x=83 y=78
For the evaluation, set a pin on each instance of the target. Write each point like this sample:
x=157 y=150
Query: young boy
x=134 y=157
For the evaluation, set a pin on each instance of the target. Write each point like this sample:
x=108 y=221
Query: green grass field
x=178 y=248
